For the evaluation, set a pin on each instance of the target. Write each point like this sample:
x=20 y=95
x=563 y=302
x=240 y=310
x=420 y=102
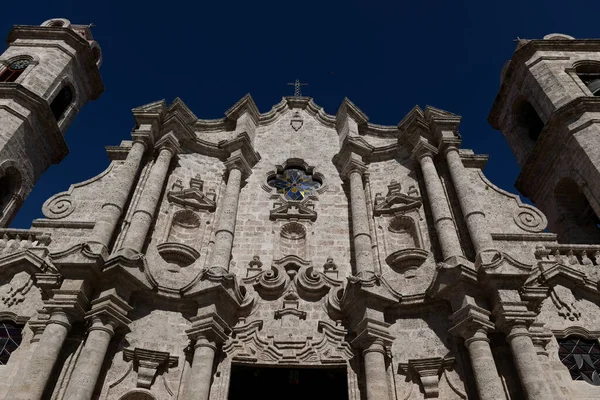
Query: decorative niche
x=189 y=216
x=397 y=216
x=295 y=187
x=292 y=240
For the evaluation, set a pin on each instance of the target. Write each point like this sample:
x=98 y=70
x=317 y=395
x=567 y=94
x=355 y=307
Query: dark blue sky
x=386 y=56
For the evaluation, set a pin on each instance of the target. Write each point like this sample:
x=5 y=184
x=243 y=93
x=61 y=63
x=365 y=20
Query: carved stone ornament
x=181 y=243
x=148 y=364
x=429 y=371
x=395 y=201
x=565 y=303
x=398 y=217
x=194 y=197
x=294 y=210
x=254 y=267
x=292 y=272
x=296 y=121
x=326 y=346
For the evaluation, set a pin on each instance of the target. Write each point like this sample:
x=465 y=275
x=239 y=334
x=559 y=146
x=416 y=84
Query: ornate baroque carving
x=328 y=346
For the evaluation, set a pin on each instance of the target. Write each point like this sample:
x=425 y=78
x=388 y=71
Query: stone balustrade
x=13 y=240
x=570 y=254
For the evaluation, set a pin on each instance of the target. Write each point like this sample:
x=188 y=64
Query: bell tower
x=47 y=74
x=548 y=109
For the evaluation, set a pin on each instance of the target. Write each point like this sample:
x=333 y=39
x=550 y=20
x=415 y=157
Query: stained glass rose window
x=294 y=184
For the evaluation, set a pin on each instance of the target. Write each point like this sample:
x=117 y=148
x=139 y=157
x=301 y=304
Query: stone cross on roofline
x=297 y=87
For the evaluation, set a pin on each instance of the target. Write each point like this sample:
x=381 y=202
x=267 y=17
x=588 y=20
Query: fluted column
x=469 y=203
x=85 y=374
x=35 y=376
x=146 y=208
x=444 y=223
x=227 y=218
x=113 y=209
x=375 y=372
x=360 y=222
x=533 y=378
x=200 y=377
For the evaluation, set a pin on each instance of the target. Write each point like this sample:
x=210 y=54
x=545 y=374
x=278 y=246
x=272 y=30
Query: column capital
x=210 y=327
x=471 y=323
x=168 y=142
x=513 y=317
x=449 y=143
x=370 y=332
x=239 y=162
x=423 y=149
x=61 y=317
x=69 y=302
x=111 y=310
x=353 y=163
x=143 y=137
x=241 y=153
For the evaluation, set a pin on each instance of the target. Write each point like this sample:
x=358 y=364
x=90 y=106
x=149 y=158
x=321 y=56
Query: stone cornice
x=349 y=110
x=244 y=105
x=20 y=34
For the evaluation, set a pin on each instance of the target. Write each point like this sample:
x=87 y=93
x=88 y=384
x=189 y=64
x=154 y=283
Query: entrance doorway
x=270 y=383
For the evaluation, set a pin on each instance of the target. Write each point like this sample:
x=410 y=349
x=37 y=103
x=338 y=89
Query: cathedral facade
x=298 y=254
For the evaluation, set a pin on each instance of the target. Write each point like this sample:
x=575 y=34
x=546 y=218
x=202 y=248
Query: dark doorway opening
x=259 y=382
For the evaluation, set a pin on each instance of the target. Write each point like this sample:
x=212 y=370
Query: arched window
x=14 y=70
x=9 y=184
x=294 y=183
x=589 y=73
x=581 y=357
x=60 y=103
x=529 y=119
x=11 y=335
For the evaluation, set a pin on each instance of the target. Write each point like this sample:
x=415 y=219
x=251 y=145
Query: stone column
x=85 y=374
x=227 y=218
x=200 y=377
x=112 y=209
x=360 y=222
x=469 y=203
x=108 y=313
x=442 y=217
x=532 y=376
x=39 y=367
x=472 y=323
x=146 y=208
x=375 y=372
x=487 y=380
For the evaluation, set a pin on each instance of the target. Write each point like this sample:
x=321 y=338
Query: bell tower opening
x=270 y=383
x=589 y=73
x=61 y=102
x=578 y=220
x=529 y=119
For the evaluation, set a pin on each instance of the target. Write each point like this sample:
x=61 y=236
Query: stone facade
x=298 y=239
